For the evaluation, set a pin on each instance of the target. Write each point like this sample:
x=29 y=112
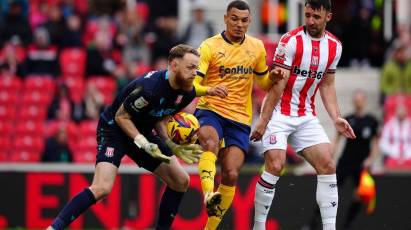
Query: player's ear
x=328 y=16
x=225 y=18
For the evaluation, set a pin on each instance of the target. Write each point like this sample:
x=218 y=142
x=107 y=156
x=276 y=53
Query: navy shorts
x=113 y=144
x=229 y=132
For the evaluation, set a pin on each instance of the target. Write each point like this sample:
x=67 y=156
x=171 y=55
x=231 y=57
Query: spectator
x=56 y=148
x=55 y=25
x=395 y=142
x=11 y=63
x=72 y=33
x=199 y=28
x=42 y=57
x=93 y=103
x=15 y=25
x=164 y=37
x=62 y=108
x=102 y=60
x=396 y=72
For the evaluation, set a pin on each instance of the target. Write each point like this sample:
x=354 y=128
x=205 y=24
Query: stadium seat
x=30 y=128
x=8 y=98
x=86 y=149
x=27 y=148
x=6 y=128
x=76 y=88
x=32 y=113
x=7 y=113
x=107 y=86
x=88 y=128
x=127 y=161
x=25 y=156
x=38 y=98
x=41 y=83
x=10 y=84
x=5 y=144
x=73 y=61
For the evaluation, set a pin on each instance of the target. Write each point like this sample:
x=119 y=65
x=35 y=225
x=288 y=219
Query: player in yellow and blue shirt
x=229 y=63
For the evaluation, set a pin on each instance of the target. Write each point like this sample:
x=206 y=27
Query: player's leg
x=104 y=176
x=319 y=156
x=172 y=174
x=177 y=181
x=265 y=187
x=209 y=136
x=274 y=144
x=110 y=151
x=232 y=159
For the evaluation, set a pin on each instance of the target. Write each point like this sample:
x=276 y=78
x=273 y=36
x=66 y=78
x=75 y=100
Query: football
x=182 y=128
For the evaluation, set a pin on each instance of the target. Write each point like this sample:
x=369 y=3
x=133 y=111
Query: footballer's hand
x=188 y=153
x=344 y=128
x=151 y=148
x=219 y=91
x=259 y=130
x=277 y=75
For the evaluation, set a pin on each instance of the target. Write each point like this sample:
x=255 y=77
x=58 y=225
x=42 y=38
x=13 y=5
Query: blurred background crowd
x=63 y=61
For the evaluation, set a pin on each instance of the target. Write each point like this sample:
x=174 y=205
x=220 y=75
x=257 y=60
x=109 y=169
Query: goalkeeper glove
x=151 y=148
x=188 y=153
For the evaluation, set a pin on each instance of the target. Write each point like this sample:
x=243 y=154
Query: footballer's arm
x=270 y=101
x=161 y=128
x=329 y=98
x=123 y=119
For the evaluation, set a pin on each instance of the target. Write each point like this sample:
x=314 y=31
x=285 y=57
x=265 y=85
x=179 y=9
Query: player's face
x=360 y=101
x=237 y=22
x=186 y=70
x=316 y=20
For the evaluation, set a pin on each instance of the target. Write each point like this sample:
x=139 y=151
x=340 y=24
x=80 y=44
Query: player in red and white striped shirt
x=305 y=60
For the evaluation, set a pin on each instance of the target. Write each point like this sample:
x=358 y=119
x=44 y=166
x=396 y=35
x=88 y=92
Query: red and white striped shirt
x=308 y=59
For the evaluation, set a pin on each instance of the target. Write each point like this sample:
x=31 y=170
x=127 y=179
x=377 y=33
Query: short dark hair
x=180 y=50
x=238 y=4
x=317 y=4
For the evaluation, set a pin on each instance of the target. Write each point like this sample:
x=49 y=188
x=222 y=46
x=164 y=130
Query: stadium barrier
x=32 y=195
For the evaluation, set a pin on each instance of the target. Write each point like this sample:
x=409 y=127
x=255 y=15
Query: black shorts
x=113 y=144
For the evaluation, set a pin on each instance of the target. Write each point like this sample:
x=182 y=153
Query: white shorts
x=302 y=132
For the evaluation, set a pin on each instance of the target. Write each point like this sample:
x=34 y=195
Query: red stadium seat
x=7 y=113
x=38 y=98
x=76 y=88
x=8 y=98
x=5 y=144
x=87 y=155
x=88 y=128
x=72 y=61
x=27 y=149
x=10 y=84
x=6 y=128
x=32 y=113
x=127 y=161
x=25 y=155
x=107 y=86
x=30 y=128
x=44 y=84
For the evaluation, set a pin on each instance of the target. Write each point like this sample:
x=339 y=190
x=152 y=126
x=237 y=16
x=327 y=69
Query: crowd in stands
x=62 y=62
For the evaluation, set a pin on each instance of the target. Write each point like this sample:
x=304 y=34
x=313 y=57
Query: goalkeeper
x=127 y=128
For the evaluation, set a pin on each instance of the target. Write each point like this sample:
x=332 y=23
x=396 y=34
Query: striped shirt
x=309 y=60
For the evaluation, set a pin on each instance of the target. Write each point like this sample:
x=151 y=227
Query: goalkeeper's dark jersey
x=149 y=99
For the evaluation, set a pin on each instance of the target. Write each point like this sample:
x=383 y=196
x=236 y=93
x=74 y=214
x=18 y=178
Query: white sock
x=327 y=199
x=264 y=194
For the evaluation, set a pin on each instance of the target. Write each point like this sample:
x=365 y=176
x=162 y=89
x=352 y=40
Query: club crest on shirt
x=140 y=103
x=314 y=61
x=273 y=139
x=109 y=152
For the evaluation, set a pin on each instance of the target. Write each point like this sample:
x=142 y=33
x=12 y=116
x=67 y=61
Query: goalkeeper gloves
x=151 y=148
x=188 y=153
